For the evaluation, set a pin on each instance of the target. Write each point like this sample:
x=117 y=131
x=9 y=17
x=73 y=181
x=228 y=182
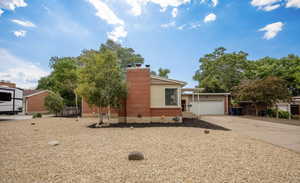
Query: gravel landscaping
x=177 y=154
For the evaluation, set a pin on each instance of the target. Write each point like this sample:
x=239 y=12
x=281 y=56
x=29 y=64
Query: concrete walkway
x=287 y=136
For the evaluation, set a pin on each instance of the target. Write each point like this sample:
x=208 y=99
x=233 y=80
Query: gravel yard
x=172 y=154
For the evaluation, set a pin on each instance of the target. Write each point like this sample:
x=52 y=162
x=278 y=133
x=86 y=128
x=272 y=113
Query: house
x=193 y=101
x=150 y=99
x=34 y=101
x=293 y=107
x=156 y=99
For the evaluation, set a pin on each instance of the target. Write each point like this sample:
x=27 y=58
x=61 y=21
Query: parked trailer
x=11 y=100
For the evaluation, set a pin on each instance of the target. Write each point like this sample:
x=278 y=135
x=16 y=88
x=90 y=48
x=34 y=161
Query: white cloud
x=195 y=25
x=272 y=30
x=267 y=5
x=20 y=33
x=293 y=3
x=271 y=7
x=214 y=3
x=12 y=4
x=117 y=33
x=105 y=13
x=181 y=27
x=174 y=12
x=1 y=12
x=136 y=5
x=167 y=25
x=192 y=25
x=210 y=18
x=25 y=74
x=23 y=23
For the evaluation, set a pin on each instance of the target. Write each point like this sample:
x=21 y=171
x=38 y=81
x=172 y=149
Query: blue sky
x=170 y=34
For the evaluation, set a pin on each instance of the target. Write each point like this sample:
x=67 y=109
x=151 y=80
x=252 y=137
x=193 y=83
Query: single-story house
x=34 y=101
x=157 y=99
x=149 y=99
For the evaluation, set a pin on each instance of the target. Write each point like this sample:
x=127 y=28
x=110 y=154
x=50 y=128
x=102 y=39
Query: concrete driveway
x=14 y=117
x=287 y=136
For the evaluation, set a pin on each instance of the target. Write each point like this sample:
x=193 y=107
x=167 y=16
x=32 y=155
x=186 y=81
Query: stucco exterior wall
x=158 y=96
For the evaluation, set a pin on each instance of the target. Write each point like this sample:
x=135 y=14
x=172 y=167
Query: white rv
x=11 y=100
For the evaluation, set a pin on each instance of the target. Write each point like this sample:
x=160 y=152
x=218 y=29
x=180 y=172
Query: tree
x=266 y=91
x=163 y=72
x=54 y=103
x=220 y=71
x=286 y=68
x=63 y=79
x=125 y=56
x=100 y=80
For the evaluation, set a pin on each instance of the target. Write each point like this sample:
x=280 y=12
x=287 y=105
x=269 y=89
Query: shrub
x=37 y=115
x=54 y=103
x=283 y=114
x=271 y=112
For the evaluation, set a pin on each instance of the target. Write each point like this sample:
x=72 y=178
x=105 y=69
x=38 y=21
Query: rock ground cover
x=172 y=154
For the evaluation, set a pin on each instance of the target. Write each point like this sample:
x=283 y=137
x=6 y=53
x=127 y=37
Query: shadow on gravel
x=192 y=123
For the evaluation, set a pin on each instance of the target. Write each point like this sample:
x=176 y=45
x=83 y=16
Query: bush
x=54 y=103
x=283 y=114
x=271 y=112
x=37 y=115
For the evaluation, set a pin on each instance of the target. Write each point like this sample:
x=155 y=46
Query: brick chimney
x=7 y=83
x=138 y=98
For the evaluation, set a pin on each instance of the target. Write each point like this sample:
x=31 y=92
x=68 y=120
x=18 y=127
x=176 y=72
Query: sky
x=171 y=34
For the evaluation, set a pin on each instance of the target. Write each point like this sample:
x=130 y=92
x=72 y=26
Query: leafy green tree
x=100 y=80
x=125 y=56
x=54 y=103
x=63 y=79
x=286 y=68
x=163 y=72
x=220 y=71
x=265 y=91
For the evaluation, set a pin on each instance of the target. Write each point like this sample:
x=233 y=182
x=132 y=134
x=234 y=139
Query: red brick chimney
x=9 y=84
x=138 y=98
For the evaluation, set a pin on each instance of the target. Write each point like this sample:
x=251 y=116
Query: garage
x=208 y=107
x=199 y=103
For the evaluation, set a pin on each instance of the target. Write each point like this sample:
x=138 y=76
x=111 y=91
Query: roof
x=167 y=80
x=30 y=93
x=203 y=94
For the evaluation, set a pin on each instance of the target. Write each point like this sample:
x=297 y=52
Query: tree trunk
x=277 y=112
x=108 y=116
x=100 y=119
x=76 y=102
x=256 y=109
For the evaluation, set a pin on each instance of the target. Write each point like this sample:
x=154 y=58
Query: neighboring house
x=293 y=107
x=34 y=101
x=157 y=99
x=205 y=103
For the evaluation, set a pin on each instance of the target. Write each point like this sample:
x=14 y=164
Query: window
x=171 y=96
x=5 y=96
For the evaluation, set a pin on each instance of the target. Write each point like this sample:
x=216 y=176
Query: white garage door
x=208 y=107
